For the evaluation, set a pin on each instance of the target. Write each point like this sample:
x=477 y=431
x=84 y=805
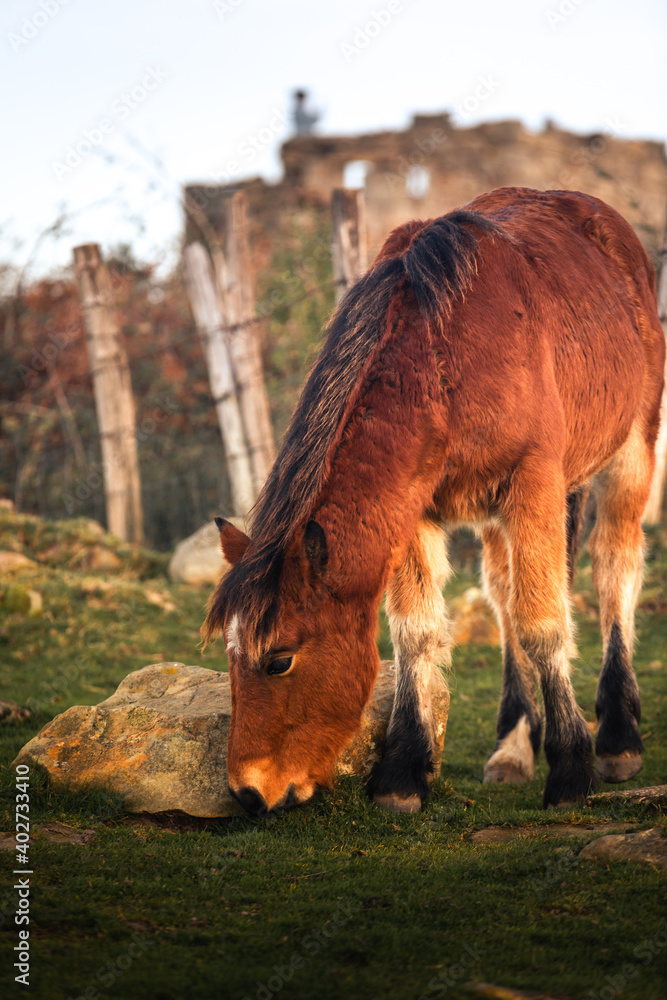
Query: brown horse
x=489 y=364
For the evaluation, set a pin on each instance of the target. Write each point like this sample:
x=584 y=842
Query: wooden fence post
x=204 y=299
x=350 y=253
x=238 y=303
x=653 y=509
x=114 y=402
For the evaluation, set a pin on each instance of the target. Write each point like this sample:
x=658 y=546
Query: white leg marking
x=514 y=760
x=418 y=620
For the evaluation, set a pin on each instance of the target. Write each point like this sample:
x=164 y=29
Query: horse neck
x=376 y=494
x=388 y=463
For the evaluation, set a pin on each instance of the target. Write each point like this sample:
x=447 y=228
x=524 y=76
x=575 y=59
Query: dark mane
x=436 y=262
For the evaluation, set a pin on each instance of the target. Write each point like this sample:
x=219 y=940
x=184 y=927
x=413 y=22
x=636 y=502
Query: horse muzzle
x=254 y=802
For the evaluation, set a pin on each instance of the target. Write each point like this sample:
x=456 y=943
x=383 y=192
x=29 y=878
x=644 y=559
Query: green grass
x=364 y=903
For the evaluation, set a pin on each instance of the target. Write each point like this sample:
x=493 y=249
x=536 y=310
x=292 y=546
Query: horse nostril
x=291 y=799
x=251 y=800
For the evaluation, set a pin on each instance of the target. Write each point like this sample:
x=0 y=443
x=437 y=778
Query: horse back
x=558 y=344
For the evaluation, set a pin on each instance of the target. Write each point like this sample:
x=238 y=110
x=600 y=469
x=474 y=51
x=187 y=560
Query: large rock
x=161 y=739
x=198 y=560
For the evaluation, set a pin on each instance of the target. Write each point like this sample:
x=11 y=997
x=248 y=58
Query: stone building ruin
x=434 y=166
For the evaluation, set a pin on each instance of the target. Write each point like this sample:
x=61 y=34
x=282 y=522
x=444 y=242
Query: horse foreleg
x=617 y=550
x=519 y=727
x=535 y=523
x=420 y=635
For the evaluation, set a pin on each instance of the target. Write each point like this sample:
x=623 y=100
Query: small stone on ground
x=653 y=795
x=197 y=559
x=648 y=846
x=11 y=711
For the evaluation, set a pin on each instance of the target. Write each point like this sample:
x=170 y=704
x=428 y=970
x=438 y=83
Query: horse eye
x=279 y=666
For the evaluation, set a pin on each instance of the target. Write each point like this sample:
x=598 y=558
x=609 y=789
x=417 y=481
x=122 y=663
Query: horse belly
x=600 y=373
x=575 y=397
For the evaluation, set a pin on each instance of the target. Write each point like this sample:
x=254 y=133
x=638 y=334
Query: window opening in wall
x=417 y=181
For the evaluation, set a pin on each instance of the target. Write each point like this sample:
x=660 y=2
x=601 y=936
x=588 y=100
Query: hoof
x=569 y=801
x=398 y=804
x=508 y=771
x=571 y=775
x=568 y=792
x=513 y=760
x=620 y=768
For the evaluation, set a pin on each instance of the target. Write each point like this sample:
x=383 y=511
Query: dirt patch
x=55 y=832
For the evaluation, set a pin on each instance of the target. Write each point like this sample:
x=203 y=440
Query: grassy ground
x=335 y=900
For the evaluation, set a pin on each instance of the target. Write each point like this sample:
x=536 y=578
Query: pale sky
x=193 y=84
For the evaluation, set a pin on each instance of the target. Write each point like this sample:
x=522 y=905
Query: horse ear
x=315 y=544
x=233 y=542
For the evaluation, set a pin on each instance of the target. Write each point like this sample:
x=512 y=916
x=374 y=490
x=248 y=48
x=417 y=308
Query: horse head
x=299 y=679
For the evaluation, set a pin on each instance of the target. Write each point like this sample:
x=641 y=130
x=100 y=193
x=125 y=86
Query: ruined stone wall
x=630 y=175
x=433 y=166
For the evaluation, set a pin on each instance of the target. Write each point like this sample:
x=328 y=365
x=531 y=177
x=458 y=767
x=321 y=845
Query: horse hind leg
x=420 y=635
x=534 y=519
x=519 y=726
x=617 y=552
